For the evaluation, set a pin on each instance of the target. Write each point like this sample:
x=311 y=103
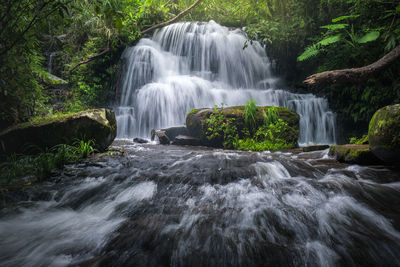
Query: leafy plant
x=85 y=148
x=331 y=37
x=359 y=141
x=220 y=129
x=250 y=115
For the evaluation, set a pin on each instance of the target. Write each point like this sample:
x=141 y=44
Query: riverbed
x=153 y=205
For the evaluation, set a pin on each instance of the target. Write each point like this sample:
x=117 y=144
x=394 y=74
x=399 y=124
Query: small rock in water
x=184 y=140
x=140 y=140
x=162 y=137
x=315 y=148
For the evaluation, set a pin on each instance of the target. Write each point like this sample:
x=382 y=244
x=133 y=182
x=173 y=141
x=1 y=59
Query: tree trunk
x=353 y=75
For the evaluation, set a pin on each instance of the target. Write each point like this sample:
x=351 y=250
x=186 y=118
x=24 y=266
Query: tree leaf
x=333 y=27
x=369 y=37
x=330 y=40
x=344 y=17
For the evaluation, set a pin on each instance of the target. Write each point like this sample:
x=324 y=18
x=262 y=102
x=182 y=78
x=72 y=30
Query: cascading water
x=193 y=65
x=50 y=62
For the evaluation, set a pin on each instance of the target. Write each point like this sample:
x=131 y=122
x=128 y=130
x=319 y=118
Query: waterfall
x=200 y=64
x=50 y=62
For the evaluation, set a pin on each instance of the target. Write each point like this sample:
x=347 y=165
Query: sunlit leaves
x=369 y=37
x=309 y=52
x=334 y=27
x=344 y=17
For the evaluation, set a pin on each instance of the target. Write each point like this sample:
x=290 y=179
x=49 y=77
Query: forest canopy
x=85 y=40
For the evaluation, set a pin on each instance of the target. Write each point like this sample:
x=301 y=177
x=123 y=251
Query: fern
x=310 y=51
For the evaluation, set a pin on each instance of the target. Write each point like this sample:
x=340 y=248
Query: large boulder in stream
x=98 y=125
x=384 y=134
x=354 y=154
x=197 y=125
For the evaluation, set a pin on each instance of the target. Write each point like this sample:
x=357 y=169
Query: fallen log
x=353 y=75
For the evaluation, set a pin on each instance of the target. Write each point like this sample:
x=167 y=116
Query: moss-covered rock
x=384 y=134
x=354 y=154
x=196 y=123
x=195 y=120
x=36 y=136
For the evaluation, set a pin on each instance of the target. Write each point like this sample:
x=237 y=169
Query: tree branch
x=175 y=19
x=354 y=74
x=90 y=59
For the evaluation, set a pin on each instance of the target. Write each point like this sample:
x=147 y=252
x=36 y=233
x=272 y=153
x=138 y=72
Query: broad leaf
x=330 y=40
x=344 y=17
x=369 y=37
x=333 y=27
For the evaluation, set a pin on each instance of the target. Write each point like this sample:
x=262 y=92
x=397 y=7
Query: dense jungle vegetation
x=85 y=39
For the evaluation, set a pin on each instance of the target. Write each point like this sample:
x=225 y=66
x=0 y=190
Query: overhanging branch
x=173 y=20
x=354 y=74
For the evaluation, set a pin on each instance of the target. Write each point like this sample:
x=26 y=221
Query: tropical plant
x=250 y=115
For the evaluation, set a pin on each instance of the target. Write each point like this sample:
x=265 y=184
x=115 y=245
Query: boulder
x=354 y=154
x=98 y=125
x=162 y=137
x=170 y=133
x=140 y=140
x=315 y=148
x=196 y=120
x=184 y=140
x=384 y=134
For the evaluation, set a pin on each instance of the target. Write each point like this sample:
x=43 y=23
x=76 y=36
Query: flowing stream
x=179 y=206
x=194 y=65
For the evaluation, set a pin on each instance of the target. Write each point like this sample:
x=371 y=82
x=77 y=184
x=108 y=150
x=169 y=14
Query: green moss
x=384 y=128
x=193 y=111
x=354 y=154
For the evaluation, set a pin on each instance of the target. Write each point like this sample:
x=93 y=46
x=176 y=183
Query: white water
x=195 y=65
x=50 y=62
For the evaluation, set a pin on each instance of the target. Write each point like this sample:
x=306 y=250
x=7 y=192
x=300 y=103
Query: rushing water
x=193 y=65
x=178 y=206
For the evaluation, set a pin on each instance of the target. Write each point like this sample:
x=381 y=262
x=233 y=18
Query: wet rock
x=153 y=134
x=195 y=120
x=384 y=134
x=184 y=140
x=315 y=148
x=197 y=126
x=175 y=131
x=169 y=134
x=140 y=140
x=162 y=137
x=354 y=154
x=98 y=125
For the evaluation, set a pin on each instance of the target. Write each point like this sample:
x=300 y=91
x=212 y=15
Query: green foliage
x=42 y=165
x=270 y=136
x=85 y=148
x=220 y=128
x=368 y=37
x=250 y=114
x=359 y=141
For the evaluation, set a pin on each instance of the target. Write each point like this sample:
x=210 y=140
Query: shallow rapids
x=178 y=206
